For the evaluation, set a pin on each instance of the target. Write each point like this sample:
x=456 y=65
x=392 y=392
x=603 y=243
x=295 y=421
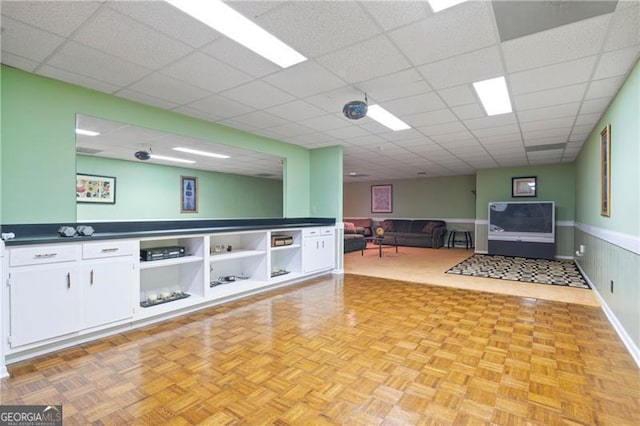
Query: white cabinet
x=108 y=280
x=318 y=249
x=285 y=259
x=44 y=293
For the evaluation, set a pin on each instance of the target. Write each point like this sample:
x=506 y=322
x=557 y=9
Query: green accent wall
x=151 y=191
x=38 y=145
x=605 y=260
x=447 y=197
x=326 y=176
x=623 y=114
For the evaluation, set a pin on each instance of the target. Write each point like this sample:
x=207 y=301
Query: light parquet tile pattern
x=353 y=350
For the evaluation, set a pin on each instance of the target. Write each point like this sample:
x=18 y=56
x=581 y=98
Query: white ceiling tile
x=197 y=113
x=550 y=97
x=206 y=72
x=402 y=136
x=238 y=56
x=290 y=129
x=76 y=79
x=459 y=95
x=588 y=119
x=423 y=102
x=313 y=138
x=58 y=17
x=366 y=141
x=121 y=36
x=168 y=88
x=625 y=26
x=572 y=41
x=616 y=63
x=395 y=14
x=511 y=138
x=374 y=127
x=326 y=122
x=558 y=135
x=423 y=119
x=564 y=110
x=441 y=129
x=334 y=100
x=347 y=132
x=452 y=137
x=166 y=19
x=551 y=76
x=296 y=111
x=468 y=111
x=562 y=122
x=145 y=99
x=304 y=79
x=327 y=25
x=468 y=68
x=258 y=94
x=490 y=122
x=496 y=131
x=365 y=60
x=18 y=61
x=220 y=106
x=237 y=124
x=407 y=143
x=605 y=88
x=594 y=105
x=259 y=119
x=78 y=59
x=26 y=41
x=551 y=153
x=397 y=85
x=505 y=151
x=440 y=35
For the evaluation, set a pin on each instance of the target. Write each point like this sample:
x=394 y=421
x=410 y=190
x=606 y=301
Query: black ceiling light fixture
x=355 y=110
x=143 y=155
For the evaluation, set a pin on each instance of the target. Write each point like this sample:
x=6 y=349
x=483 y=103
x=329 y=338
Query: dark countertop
x=27 y=234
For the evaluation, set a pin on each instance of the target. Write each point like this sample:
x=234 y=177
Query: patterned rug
x=538 y=271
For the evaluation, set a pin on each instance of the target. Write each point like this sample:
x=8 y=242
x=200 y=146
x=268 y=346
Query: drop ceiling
x=563 y=61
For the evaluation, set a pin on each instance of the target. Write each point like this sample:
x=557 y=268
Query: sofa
x=407 y=232
x=353 y=237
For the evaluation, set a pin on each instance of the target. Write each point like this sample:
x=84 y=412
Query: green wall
x=151 y=191
x=38 y=146
x=448 y=197
x=612 y=244
x=326 y=176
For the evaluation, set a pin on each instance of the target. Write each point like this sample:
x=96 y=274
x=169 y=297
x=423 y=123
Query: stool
x=468 y=239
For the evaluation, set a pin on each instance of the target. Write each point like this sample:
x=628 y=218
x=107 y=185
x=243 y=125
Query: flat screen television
x=522 y=221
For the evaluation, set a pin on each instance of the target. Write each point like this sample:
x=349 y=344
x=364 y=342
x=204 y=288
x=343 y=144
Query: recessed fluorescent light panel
x=86 y=132
x=226 y=20
x=385 y=118
x=174 y=159
x=198 y=152
x=438 y=5
x=494 y=95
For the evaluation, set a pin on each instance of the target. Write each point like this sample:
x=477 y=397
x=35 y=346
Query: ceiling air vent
x=90 y=151
x=549 y=147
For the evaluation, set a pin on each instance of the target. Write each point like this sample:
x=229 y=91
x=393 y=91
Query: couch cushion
x=417 y=225
x=400 y=225
x=387 y=225
x=429 y=227
x=359 y=223
x=349 y=228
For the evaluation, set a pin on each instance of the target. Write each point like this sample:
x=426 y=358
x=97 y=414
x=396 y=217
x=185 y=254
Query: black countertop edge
x=48 y=233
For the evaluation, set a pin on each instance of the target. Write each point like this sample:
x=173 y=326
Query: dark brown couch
x=407 y=232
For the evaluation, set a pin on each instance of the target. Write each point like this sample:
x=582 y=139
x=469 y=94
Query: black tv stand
x=535 y=250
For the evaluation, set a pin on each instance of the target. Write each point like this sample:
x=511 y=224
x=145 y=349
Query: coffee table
x=379 y=242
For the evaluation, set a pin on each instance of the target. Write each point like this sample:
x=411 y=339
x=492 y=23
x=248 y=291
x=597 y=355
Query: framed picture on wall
x=188 y=194
x=605 y=171
x=95 y=189
x=381 y=198
x=524 y=186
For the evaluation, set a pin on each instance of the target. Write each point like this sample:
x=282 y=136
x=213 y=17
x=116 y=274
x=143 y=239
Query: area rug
x=538 y=271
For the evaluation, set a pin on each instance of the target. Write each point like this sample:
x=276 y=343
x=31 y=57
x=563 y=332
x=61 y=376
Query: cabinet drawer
x=326 y=230
x=38 y=255
x=103 y=249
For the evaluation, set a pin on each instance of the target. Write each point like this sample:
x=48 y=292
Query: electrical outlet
x=611 y=286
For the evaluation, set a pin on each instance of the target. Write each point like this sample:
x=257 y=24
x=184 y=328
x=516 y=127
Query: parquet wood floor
x=348 y=350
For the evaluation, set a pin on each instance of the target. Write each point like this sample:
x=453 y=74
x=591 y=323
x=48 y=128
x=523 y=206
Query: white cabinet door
x=318 y=251
x=44 y=303
x=326 y=253
x=107 y=292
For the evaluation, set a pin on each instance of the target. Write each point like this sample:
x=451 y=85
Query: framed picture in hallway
x=95 y=189
x=381 y=198
x=605 y=171
x=188 y=194
x=524 y=186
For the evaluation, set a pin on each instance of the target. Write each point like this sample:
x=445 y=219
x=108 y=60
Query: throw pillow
x=387 y=225
x=429 y=227
x=349 y=228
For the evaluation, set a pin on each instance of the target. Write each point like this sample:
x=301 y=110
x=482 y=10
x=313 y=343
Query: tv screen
x=521 y=218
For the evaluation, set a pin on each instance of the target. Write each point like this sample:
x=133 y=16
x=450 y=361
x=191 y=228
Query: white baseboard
x=634 y=351
x=4 y=372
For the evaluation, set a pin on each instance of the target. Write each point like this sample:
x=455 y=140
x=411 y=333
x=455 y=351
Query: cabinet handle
x=45 y=255
x=317 y=244
x=91 y=278
x=323 y=244
x=110 y=250
x=68 y=279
